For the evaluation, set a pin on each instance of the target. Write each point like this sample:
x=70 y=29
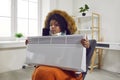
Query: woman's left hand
x=85 y=43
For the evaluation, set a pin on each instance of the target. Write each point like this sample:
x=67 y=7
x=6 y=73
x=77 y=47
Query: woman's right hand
x=26 y=42
x=85 y=43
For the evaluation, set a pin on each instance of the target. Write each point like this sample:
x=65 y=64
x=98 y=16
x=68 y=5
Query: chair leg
x=100 y=58
x=94 y=58
x=93 y=61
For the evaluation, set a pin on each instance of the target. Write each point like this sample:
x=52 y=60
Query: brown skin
x=54 y=27
x=85 y=43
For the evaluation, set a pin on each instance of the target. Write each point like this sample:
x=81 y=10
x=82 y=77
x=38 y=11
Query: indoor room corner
x=101 y=23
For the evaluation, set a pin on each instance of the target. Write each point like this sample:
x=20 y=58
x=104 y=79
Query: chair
x=89 y=53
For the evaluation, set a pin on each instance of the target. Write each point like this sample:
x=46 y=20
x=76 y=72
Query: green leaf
x=86 y=7
x=83 y=9
x=18 y=35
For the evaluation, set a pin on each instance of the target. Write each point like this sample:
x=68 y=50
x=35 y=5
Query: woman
x=58 y=23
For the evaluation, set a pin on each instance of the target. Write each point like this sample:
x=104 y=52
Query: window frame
x=14 y=20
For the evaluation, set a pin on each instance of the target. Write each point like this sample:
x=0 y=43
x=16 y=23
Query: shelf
x=87 y=30
x=89 y=25
x=84 y=16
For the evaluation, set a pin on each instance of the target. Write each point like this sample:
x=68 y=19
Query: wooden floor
x=25 y=74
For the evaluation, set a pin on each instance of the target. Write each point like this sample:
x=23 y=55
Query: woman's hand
x=85 y=43
x=26 y=42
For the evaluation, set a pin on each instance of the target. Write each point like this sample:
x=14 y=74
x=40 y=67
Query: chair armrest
x=89 y=53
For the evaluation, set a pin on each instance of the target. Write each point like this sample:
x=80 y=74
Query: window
x=5 y=18
x=27 y=17
x=18 y=16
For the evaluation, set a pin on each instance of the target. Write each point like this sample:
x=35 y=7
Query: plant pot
x=83 y=14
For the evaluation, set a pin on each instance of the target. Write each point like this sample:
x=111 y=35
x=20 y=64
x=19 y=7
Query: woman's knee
x=43 y=74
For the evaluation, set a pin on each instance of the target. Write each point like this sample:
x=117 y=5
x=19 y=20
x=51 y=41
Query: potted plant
x=18 y=35
x=84 y=9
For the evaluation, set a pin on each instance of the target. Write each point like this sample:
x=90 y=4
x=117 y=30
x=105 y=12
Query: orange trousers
x=53 y=73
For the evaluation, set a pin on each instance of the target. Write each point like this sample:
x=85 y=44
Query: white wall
x=45 y=8
x=110 y=27
x=66 y=5
x=12 y=59
x=109 y=11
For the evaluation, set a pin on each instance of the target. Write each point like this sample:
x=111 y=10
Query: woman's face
x=54 y=27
